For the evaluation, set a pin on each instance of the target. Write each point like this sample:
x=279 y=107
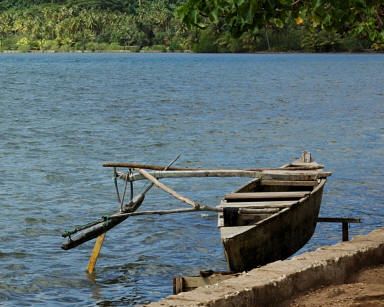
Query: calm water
x=62 y=115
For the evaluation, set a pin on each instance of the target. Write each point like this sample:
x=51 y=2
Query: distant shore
x=369 y=51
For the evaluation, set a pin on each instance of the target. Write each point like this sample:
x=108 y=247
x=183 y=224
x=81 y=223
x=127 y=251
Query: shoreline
x=284 y=283
x=366 y=52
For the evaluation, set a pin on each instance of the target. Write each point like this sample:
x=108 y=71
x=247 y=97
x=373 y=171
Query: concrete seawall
x=278 y=281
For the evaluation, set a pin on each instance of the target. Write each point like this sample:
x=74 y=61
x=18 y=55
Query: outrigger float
x=268 y=219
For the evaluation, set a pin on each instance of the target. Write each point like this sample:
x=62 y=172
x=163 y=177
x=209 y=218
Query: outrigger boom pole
x=99 y=228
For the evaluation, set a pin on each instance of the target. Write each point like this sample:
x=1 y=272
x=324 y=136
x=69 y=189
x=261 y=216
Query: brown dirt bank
x=366 y=288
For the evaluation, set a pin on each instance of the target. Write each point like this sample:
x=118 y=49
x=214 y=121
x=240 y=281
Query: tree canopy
x=90 y=25
x=198 y=25
x=360 y=19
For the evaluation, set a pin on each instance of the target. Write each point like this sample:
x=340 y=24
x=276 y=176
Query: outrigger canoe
x=273 y=216
x=268 y=219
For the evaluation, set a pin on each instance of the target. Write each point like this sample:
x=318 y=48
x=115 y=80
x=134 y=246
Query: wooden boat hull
x=275 y=237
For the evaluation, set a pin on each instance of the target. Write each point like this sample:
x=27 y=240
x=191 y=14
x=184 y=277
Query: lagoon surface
x=63 y=115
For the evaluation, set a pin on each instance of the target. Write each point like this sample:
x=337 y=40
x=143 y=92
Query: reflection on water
x=62 y=115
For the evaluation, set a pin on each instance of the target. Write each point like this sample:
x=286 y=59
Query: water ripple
x=62 y=115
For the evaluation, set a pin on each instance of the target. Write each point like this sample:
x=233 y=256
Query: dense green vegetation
x=198 y=25
x=91 y=25
x=319 y=25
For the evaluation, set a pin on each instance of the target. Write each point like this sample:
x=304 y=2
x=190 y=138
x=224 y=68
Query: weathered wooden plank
x=308 y=183
x=258 y=210
x=252 y=218
x=270 y=174
x=191 y=174
x=258 y=204
x=294 y=175
x=188 y=283
x=191 y=282
x=311 y=165
x=142 y=166
x=220 y=220
x=229 y=232
x=338 y=220
x=304 y=166
x=266 y=195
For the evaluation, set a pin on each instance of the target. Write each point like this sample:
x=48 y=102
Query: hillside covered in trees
x=197 y=25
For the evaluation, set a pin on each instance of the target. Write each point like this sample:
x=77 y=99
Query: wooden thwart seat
x=308 y=183
x=266 y=195
x=259 y=204
x=258 y=210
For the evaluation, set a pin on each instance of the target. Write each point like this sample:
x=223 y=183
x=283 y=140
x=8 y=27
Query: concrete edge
x=280 y=280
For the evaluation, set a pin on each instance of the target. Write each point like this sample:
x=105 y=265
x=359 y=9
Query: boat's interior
x=262 y=198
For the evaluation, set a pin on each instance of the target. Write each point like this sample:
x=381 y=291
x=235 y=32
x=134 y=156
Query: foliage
x=86 y=26
x=325 y=22
x=199 y=25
